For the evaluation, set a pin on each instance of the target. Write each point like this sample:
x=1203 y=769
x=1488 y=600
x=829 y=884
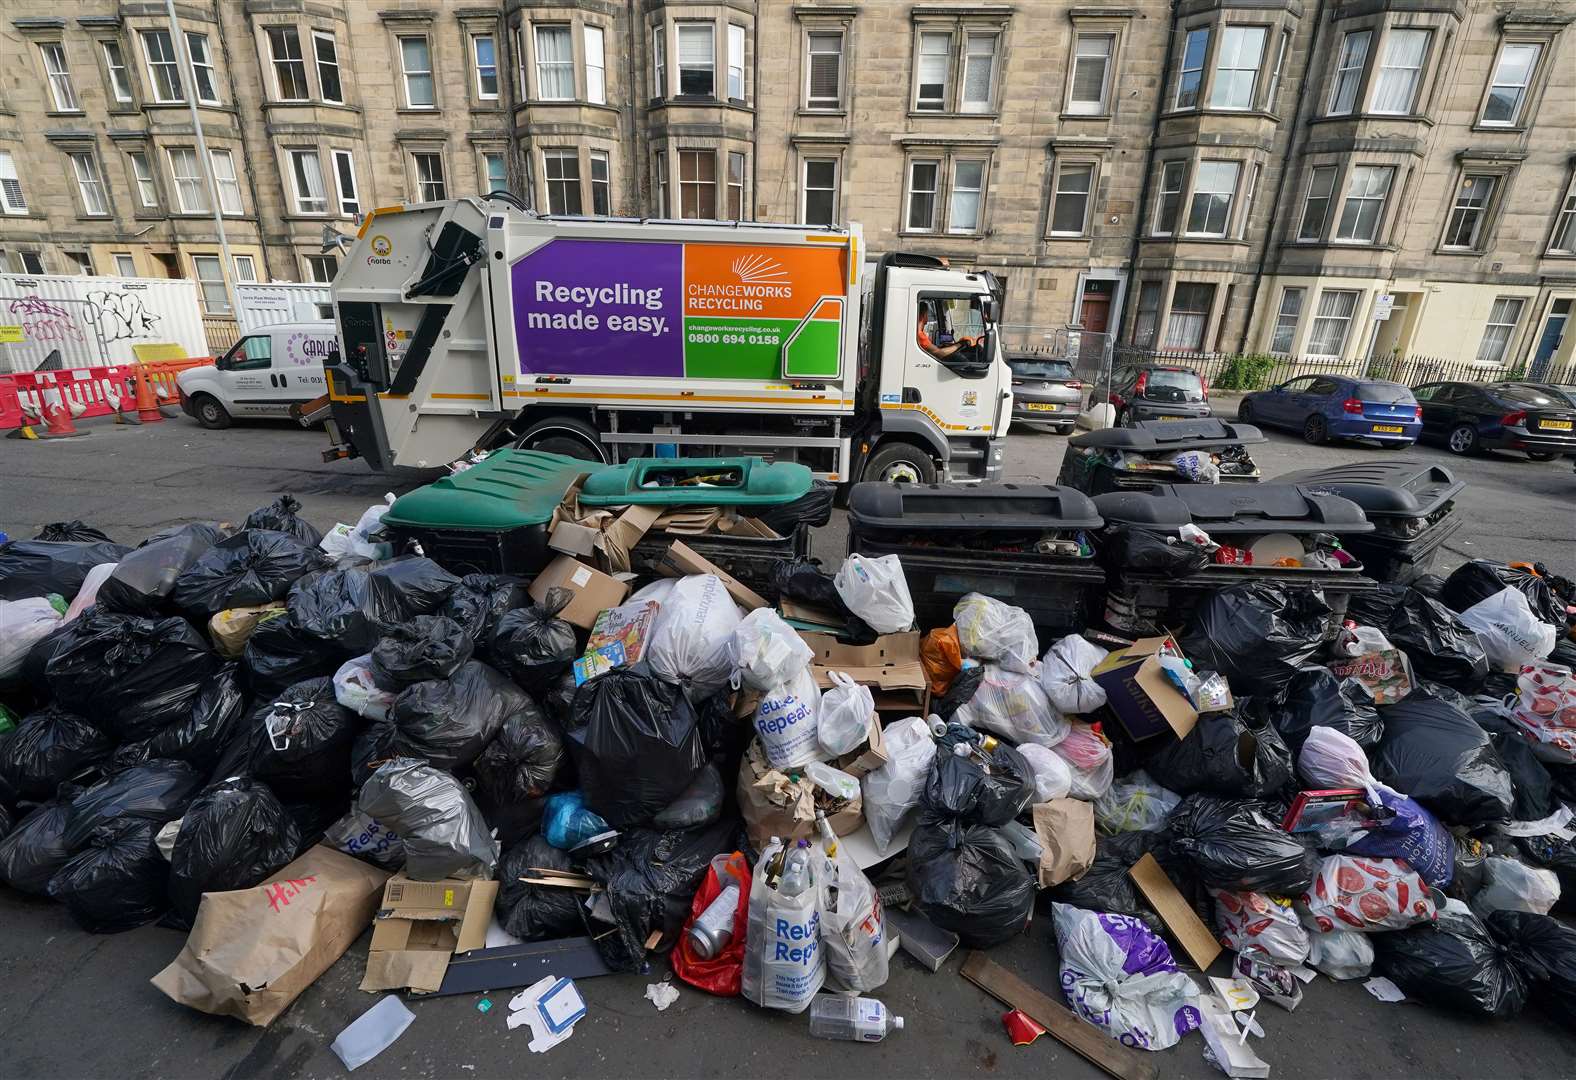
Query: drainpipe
x=1280 y=181
x=637 y=166
x=755 y=119
x=246 y=158
x=1149 y=170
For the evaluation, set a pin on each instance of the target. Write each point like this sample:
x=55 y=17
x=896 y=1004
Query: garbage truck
x=474 y=324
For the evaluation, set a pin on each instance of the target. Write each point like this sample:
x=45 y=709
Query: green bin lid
x=507 y=490
x=718 y=481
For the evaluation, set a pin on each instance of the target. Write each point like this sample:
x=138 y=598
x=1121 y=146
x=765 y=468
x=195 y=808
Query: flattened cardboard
x=570 y=538
x=680 y=560
x=890 y=666
x=1145 y=702
x=593 y=590
x=621 y=534
x=420 y=926
x=1179 y=918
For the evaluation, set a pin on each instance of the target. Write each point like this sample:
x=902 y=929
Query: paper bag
x=773 y=804
x=1065 y=830
x=230 y=628
x=252 y=951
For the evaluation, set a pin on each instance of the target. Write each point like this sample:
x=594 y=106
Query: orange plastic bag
x=723 y=974
x=942 y=656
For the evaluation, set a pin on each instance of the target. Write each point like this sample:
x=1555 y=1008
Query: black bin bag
x=1235 y=845
x=968 y=879
x=283 y=515
x=48 y=747
x=636 y=743
x=534 y=645
x=233 y=836
x=280 y=653
x=1316 y=698
x=1106 y=886
x=40 y=567
x=1455 y=963
x=1257 y=635
x=479 y=601
x=1224 y=756
x=1473 y=582
x=36 y=846
x=1123 y=547
x=427 y=647
x=1544 y=950
x=118 y=882
x=521 y=761
x=1435 y=641
x=156 y=791
x=131 y=675
x=301 y=742
x=252 y=567
x=1438 y=755
x=216 y=723
x=536 y=912
x=354 y=608
x=449 y=722
x=143 y=580
x=75 y=530
x=959 y=787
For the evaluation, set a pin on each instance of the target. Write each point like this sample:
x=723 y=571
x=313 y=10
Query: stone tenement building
x=1208 y=175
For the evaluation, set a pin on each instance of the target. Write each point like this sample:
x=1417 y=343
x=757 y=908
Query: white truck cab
x=263 y=374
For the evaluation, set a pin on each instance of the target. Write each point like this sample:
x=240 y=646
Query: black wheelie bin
x=1411 y=505
x=1284 y=517
x=1024 y=544
x=1140 y=457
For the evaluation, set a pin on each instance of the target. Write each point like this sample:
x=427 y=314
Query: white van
x=265 y=373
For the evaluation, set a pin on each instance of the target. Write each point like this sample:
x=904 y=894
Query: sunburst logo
x=759 y=270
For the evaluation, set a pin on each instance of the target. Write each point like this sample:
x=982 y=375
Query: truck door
x=248 y=379
x=950 y=369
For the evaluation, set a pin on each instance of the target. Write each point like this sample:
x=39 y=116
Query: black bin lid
x=972 y=507
x=1234 y=509
x=1401 y=488
x=1169 y=436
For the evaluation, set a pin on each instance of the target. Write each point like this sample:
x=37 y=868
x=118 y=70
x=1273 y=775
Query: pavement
x=80 y=1005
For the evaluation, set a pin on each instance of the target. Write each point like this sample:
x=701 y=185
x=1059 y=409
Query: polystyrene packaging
x=784 y=964
x=766 y=651
x=893 y=790
x=1013 y=704
x=876 y=591
x=844 y=720
x=991 y=630
x=785 y=720
x=689 y=639
x=1052 y=778
x=1064 y=673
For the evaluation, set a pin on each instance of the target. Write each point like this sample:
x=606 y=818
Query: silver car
x=1045 y=392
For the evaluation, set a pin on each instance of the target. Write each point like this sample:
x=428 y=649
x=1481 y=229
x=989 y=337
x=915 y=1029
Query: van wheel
x=210 y=414
x=563 y=435
x=900 y=463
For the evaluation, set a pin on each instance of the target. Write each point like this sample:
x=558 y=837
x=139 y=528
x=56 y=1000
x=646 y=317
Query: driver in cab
x=947 y=345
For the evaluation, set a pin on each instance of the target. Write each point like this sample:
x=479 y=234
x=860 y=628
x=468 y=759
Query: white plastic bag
x=1341 y=954
x=1064 y=673
x=23 y=624
x=355 y=690
x=1135 y=804
x=991 y=630
x=690 y=635
x=844 y=721
x=88 y=594
x=1365 y=894
x=1012 y=704
x=1508 y=631
x=1052 y=778
x=784 y=965
x=1332 y=759
x=1510 y=885
x=766 y=651
x=785 y=720
x=893 y=790
x=853 y=926
x=1089 y=758
x=1256 y=925
x=876 y=591
x=1120 y=977
x=356 y=539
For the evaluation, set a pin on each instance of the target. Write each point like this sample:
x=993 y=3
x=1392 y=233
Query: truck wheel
x=563 y=435
x=210 y=414
x=900 y=463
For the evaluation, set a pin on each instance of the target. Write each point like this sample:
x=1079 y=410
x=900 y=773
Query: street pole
x=189 y=76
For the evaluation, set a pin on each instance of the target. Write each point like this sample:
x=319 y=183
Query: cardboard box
x=869 y=757
x=681 y=561
x=594 y=591
x=569 y=538
x=420 y=925
x=1144 y=701
x=890 y=667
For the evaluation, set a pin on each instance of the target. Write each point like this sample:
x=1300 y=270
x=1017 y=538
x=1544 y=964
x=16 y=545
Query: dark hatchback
x=1158 y=392
x=1468 y=417
x=1045 y=392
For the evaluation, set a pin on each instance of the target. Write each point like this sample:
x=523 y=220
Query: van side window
x=255 y=353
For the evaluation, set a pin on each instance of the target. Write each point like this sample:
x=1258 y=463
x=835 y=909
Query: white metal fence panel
x=94 y=321
x=280 y=302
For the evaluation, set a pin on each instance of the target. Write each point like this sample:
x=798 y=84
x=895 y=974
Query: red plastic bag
x=723 y=973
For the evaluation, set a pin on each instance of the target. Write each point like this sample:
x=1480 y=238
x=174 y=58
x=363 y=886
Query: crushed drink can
x=714 y=927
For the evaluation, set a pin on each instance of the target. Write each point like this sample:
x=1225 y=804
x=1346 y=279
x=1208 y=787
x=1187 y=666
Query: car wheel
x=1120 y=419
x=900 y=463
x=562 y=435
x=1315 y=431
x=210 y=414
x=1463 y=439
x=1541 y=455
x=1245 y=411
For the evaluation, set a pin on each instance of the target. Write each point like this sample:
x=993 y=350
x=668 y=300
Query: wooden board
x=1184 y=924
x=1088 y=1041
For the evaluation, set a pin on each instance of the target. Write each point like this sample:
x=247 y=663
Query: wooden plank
x=1179 y=917
x=1088 y=1041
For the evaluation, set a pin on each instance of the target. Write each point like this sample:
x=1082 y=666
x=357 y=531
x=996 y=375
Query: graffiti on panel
x=121 y=315
x=44 y=321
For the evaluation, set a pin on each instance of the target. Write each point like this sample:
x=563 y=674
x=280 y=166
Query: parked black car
x=1156 y=391
x=1468 y=417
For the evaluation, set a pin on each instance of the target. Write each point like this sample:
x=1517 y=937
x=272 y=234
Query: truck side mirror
x=988 y=308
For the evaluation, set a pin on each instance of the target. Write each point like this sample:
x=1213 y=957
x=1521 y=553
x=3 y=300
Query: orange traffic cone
x=57 y=418
x=147 y=402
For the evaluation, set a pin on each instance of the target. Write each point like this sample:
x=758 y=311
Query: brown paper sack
x=1065 y=830
x=230 y=628
x=251 y=952
x=774 y=805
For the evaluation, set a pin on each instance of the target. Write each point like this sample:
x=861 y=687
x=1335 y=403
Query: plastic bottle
x=835 y=782
x=856 y=1019
x=796 y=876
x=829 y=863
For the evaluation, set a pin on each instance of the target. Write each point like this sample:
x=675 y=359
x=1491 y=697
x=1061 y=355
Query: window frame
x=92 y=183
x=568 y=185
x=1300 y=292
x=312 y=261
x=1161 y=191
x=1250 y=192
x=1272 y=91
x=277 y=35
x=1381 y=67
x=966 y=57
x=1348 y=321
x=195 y=177
x=1063 y=166
x=942 y=104
x=1523 y=100
x=1357 y=72
x=1308 y=197
x=1383 y=200
x=1101 y=106
x=59 y=79
x=954 y=188
x=6 y=205
x=836 y=162
x=199 y=69
x=596 y=90
x=659 y=59
x=1217 y=67
x=909 y=191
x=1480 y=224
x=407 y=73
x=486 y=156
x=120 y=268
x=301 y=203
x=38 y=259
x=710 y=27
x=318 y=63
x=419 y=184
x=138 y=180
x=743 y=40
x=111 y=66
x=155 y=66
x=1183 y=69
x=1208 y=312
x=1188 y=232
x=348 y=157
x=605 y=183
x=809 y=102
x=659 y=170
x=541 y=67
x=225 y=307
x=479 y=69
x=219 y=182
x=248 y=278
x=729 y=187
x=1564 y=221
x=700 y=185
x=1512 y=328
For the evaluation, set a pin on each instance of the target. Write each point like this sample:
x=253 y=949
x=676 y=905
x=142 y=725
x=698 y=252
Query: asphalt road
x=79 y=1005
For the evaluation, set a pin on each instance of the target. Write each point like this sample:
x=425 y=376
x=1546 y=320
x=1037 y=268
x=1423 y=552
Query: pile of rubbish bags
x=190 y=715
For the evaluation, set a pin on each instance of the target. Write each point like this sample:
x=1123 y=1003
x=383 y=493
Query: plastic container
x=1088 y=464
x=853 y=1019
x=956 y=539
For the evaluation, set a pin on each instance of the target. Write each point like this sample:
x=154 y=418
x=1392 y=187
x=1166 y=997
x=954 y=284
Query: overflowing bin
x=1154 y=452
x=1029 y=545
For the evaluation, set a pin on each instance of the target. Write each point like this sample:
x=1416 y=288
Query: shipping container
x=94 y=321
x=280 y=302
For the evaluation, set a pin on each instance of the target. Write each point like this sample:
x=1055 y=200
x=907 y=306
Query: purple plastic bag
x=1411 y=834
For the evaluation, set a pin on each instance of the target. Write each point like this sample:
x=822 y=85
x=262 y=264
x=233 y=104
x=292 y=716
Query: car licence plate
x=1555 y=425
x=1047 y=406
x=1393 y=429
